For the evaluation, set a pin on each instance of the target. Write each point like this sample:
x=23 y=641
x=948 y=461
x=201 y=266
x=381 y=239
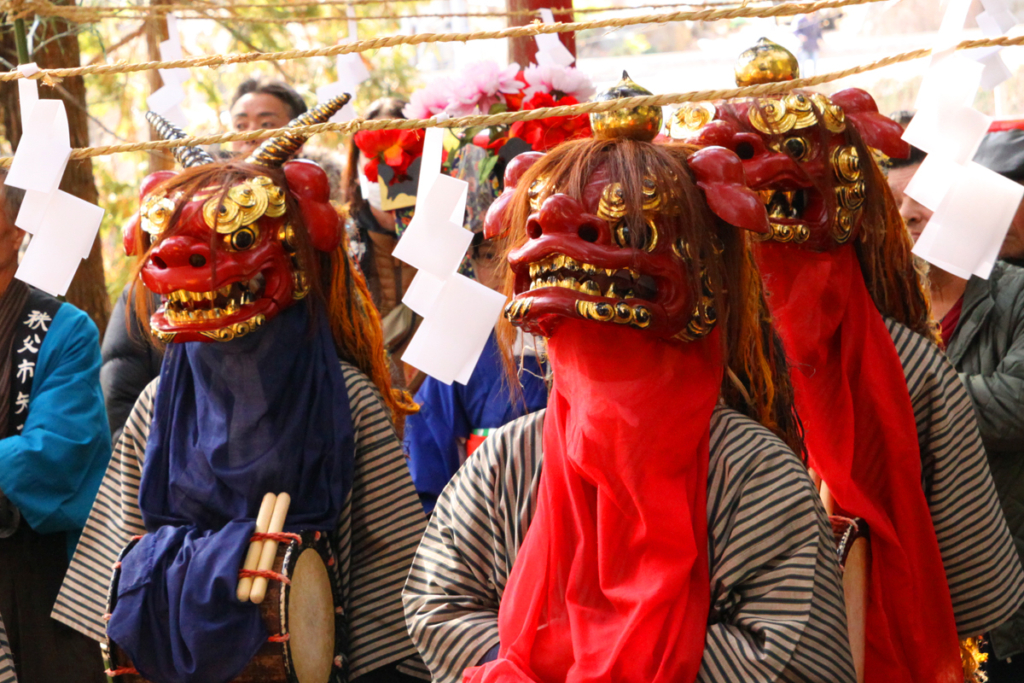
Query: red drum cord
x=282 y=537
x=269 y=575
x=122 y=671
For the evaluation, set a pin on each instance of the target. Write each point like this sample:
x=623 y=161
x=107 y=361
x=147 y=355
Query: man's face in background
x=257 y=111
x=915 y=215
x=1013 y=245
x=485 y=258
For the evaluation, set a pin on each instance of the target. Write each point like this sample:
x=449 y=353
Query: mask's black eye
x=623 y=236
x=243 y=238
x=647 y=240
x=745 y=150
x=287 y=237
x=797 y=147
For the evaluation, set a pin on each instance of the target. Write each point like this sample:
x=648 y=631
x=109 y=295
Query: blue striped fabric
x=379 y=529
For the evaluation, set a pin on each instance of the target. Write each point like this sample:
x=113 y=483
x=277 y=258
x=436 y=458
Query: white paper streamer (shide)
x=458 y=313
x=63 y=226
x=973 y=206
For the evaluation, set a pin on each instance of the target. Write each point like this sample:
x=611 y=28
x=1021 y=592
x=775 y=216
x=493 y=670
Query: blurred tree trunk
x=57 y=46
x=522 y=50
x=156 y=33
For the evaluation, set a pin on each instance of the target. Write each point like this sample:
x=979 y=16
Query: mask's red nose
x=562 y=215
x=180 y=252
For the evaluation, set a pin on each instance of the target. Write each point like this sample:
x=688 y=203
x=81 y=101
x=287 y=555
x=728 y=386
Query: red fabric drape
x=861 y=436
x=611 y=583
x=947 y=326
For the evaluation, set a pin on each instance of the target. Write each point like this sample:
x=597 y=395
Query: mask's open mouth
x=558 y=270
x=183 y=307
x=556 y=284
x=785 y=204
x=793 y=212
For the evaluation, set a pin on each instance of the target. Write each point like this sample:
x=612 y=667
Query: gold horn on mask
x=188 y=157
x=279 y=149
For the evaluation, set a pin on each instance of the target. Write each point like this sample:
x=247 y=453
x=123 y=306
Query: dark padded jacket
x=130 y=362
x=987 y=349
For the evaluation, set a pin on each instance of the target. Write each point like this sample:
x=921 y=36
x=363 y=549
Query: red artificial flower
x=483 y=140
x=370 y=170
x=543 y=134
x=514 y=100
x=396 y=148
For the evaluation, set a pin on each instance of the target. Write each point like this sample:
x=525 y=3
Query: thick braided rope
x=530 y=115
x=92 y=14
x=18 y=7
x=199 y=14
x=785 y=9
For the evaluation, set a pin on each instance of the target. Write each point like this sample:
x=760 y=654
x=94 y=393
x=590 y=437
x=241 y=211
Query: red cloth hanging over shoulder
x=611 y=583
x=949 y=322
x=861 y=436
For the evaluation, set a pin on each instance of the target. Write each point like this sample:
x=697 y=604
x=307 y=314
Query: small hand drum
x=303 y=616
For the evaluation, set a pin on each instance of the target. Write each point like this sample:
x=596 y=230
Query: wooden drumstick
x=259 y=584
x=252 y=557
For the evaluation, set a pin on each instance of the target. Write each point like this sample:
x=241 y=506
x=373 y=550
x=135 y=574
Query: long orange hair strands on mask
x=761 y=388
x=355 y=324
x=358 y=333
x=884 y=249
x=760 y=385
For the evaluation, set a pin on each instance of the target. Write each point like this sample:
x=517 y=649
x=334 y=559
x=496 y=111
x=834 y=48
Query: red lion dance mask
x=837 y=263
x=619 y=257
x=800 y=153
x=225 y=260
x=599 y=255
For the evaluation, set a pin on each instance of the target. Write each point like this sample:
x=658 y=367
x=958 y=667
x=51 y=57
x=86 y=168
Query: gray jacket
x=131 y=360
x=987 y=350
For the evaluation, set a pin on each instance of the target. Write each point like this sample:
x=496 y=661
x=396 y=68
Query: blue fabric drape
x=450 y=412
x=232 y=421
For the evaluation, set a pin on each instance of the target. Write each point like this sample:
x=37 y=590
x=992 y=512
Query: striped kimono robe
x=776 y=599
x=7 y=674
x=378 y=530
x=986 y=581
x=777 y=610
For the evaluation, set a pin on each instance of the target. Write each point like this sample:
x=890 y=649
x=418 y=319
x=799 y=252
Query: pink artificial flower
x=429 y=100
x=482 y=85
x=558 y=81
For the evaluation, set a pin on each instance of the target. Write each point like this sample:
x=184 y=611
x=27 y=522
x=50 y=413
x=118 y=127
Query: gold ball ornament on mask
x=637 y=123
x=766 y=62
